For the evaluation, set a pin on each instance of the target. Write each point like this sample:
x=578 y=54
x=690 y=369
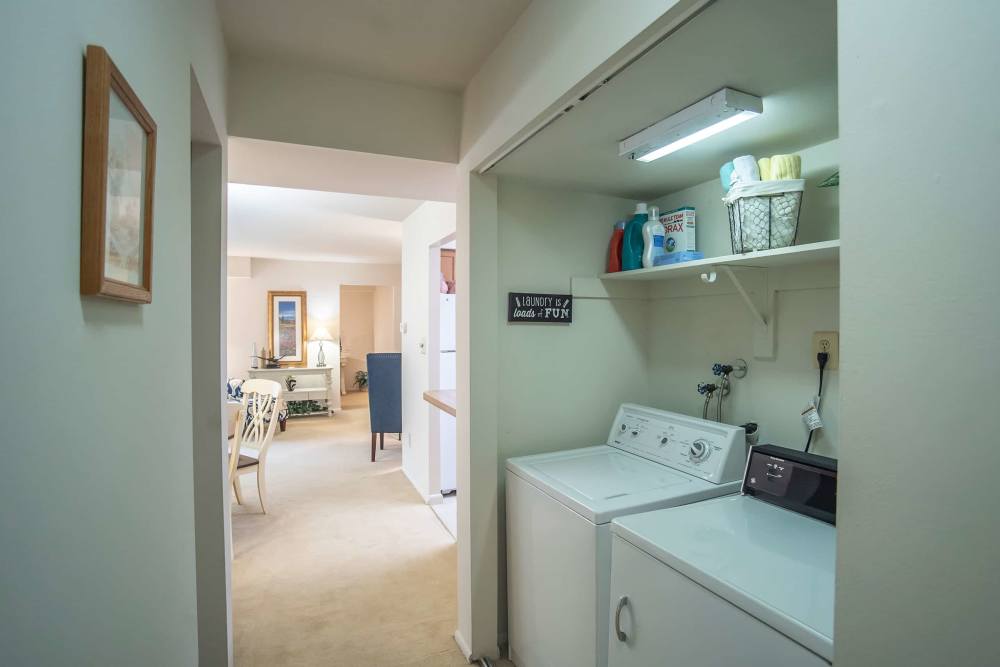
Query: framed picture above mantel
x=119 y=164
x=286 y=328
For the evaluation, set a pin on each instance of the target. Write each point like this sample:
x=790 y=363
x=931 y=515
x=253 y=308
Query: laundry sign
x=547 y=308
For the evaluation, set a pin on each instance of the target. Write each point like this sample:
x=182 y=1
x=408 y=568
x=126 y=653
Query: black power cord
x=821 y=359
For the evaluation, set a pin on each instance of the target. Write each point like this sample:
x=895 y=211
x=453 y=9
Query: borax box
x=679 y=227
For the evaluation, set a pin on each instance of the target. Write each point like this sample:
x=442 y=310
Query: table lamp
x=321 y=335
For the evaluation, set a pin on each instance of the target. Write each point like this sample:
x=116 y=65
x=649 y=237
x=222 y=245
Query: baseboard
x=463 y=645
x=432 y=499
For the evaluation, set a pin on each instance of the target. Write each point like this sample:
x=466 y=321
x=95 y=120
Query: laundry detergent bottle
x=632 y=245
x=652 y=238
x=615 y=247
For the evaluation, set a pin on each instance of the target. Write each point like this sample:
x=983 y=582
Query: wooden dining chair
x=255 y=424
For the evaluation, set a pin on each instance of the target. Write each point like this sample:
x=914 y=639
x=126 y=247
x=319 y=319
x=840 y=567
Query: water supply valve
x=721 y=370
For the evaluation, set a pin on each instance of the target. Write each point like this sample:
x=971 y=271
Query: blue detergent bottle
x=632 y=244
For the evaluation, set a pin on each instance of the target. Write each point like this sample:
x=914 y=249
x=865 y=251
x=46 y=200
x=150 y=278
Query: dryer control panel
x=712 y=451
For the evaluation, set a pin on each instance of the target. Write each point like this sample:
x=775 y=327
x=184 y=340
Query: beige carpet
x=348 y=567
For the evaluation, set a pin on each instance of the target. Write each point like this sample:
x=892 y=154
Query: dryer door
x=667 y=619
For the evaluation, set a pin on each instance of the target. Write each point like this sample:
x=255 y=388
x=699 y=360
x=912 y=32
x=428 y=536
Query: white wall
x=698 y=325
x=427 y=225
x=917 y=529
x=276 y=164
x=386 y=314
x=247 y=299
x=98 y=544
x=297 y=105
x=560 y=385
x=208 y=361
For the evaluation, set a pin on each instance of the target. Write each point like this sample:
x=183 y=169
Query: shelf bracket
x=763 y=323
x=738 y=284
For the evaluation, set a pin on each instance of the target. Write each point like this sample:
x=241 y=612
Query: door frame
x=434 y=364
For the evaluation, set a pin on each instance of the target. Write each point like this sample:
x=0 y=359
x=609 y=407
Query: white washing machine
x=742 y=580
x=559 y=508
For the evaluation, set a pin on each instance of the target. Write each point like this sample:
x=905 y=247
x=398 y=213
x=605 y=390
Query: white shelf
x=304 y=390
x=824 y=251
x=292 y=370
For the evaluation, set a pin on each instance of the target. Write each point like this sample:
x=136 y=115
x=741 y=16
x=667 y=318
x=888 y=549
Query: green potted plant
x=361 y=380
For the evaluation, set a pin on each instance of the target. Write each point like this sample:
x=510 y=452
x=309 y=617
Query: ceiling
x=287 y=223
x=433 y=43
x=784 y=51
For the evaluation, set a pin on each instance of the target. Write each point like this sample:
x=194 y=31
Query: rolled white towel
x=745 y=170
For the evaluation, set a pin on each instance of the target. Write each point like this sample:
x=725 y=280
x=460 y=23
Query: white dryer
x=559 y=508
x=742 y=580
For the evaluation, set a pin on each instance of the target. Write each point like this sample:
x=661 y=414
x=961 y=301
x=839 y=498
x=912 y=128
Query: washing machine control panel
x=712 y=451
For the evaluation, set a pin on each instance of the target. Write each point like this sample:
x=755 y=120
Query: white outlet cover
x=831 y=337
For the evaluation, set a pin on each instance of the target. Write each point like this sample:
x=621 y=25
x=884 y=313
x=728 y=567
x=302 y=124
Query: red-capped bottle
x=615 y=247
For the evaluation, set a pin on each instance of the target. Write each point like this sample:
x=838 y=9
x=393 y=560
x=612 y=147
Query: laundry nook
x=507 y=333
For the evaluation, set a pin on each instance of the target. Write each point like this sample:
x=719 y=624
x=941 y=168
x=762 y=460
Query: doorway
x=212 y=520
x=343 y=534
x=368 y=314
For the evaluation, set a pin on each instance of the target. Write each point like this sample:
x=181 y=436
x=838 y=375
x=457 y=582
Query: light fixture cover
x=321 y=334
x=716 y=113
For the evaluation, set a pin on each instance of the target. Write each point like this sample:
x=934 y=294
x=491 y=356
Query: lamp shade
x=321 y=335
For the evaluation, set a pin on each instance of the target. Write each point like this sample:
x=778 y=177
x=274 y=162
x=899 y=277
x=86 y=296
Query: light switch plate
x=829 y=342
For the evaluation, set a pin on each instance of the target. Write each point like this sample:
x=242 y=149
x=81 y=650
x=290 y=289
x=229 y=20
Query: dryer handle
x=622 y=602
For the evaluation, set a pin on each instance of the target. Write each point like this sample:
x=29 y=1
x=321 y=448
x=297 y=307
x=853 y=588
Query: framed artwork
x=119 y=160
x=286 y=327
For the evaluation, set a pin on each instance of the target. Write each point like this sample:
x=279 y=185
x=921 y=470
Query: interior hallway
x=349 y=567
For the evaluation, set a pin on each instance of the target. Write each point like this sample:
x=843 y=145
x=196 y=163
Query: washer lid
x=603 y=482
x=608 y=474
x=774 y=564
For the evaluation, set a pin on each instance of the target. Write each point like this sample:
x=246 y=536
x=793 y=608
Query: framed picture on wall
x=119 y=160
x=286 y=327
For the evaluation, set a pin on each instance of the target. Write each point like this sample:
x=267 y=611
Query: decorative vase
x=290 y=382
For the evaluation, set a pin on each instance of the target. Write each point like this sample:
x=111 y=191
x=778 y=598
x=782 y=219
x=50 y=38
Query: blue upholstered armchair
x=385 y=395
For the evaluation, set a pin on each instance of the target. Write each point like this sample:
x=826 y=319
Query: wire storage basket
x=764 y=215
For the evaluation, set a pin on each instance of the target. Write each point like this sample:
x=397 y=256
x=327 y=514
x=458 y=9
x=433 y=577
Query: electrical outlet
x=829 y=342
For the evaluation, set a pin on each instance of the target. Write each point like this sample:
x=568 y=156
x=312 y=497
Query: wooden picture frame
x=287 y=337
x=119 y=169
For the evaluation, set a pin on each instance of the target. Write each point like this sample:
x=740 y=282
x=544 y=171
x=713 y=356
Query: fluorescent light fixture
x=717 y=112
